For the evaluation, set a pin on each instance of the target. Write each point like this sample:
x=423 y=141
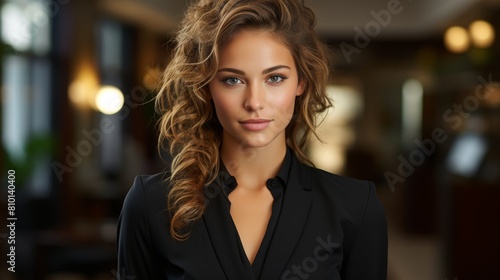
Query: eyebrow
x=265 y=71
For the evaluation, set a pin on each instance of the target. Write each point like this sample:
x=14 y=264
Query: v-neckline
x=257 y=265
x=240 y=242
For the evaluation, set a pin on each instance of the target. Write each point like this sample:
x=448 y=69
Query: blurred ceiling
x=416 y=19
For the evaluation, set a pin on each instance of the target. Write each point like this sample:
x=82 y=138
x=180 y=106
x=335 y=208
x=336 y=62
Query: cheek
x=284 y=109
x=223 y=108
x=222 y=100
x=287 y=102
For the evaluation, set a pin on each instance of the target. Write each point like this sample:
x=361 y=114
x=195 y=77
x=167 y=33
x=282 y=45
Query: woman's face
x=254 y=89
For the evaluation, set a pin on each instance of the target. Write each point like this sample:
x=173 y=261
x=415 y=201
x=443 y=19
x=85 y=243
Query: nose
x=254 y=98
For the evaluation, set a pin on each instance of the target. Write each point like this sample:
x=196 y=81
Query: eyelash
x=226 y=81
x=281 y=77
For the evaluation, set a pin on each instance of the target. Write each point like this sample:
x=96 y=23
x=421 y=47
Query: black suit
x=329 y=227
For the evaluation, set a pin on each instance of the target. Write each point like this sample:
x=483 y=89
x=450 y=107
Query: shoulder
x=147 y=195
x=344 y=189
x=352 y=200
x=340 y=191
x=154 y=181
x=340 y=185
x=142 y=219
x=149 y=185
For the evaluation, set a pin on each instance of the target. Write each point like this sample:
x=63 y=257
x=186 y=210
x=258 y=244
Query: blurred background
x=416 y=86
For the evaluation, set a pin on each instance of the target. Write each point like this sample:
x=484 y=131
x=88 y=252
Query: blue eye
x=232 y=81
x=276 y=79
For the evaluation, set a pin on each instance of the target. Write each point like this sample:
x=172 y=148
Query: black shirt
x=327 y=227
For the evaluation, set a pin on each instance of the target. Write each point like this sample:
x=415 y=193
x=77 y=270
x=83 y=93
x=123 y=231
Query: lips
x=255 y=124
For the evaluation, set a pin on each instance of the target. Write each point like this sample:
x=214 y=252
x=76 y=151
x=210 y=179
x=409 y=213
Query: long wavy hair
x=189 y=128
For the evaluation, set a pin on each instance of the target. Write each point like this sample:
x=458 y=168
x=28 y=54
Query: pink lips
x=255 y=124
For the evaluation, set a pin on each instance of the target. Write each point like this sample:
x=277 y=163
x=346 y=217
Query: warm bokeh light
x=456 y=39
x=328 y=157
x=77 y=94
x=152 y=78
x=82 y=90
x=482 y=34
x=492 y=93
x=109 y=100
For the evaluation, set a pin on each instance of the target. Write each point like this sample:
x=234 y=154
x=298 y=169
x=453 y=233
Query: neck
x=253 y=166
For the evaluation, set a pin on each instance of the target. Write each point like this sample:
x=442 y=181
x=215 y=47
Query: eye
x=232 y=81
x=275 y=79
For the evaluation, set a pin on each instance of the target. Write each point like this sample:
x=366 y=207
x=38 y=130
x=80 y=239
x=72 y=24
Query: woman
x=239 y=100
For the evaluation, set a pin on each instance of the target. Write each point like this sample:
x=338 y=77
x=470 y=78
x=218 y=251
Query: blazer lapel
x=294 y=213
x=224 y=242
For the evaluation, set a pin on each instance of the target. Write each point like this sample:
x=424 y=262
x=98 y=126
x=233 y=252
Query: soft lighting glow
x=109 y=100
x=412 y=108
x=456 y=39
x=492 y=93
x=83 y=88
x=482 y=34
x=77 y=93
x=336 y=130
x=15 y=27
x=348 y=104
x=329 y=157
x=466 y=154
x=152 y=78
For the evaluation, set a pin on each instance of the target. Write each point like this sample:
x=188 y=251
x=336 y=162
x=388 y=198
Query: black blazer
x=330 y=227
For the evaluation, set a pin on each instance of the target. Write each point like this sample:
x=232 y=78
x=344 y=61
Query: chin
x=253 y=144
x=257 y=142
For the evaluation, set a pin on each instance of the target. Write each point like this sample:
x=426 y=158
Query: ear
x=301 y=87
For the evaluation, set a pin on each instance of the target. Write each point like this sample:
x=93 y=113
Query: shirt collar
x=228 y=182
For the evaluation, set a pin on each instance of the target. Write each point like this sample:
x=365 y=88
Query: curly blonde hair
x=188 y=123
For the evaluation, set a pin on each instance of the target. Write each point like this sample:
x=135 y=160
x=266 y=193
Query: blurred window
x=336 y=129
x=26 y=25
x=466 y=154
x=111 y=46
x=26 y=78
x=412 y=108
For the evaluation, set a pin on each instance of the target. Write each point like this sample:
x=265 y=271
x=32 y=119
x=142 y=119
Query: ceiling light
x=456 y=39
x=482 y=34
x=109 y=100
